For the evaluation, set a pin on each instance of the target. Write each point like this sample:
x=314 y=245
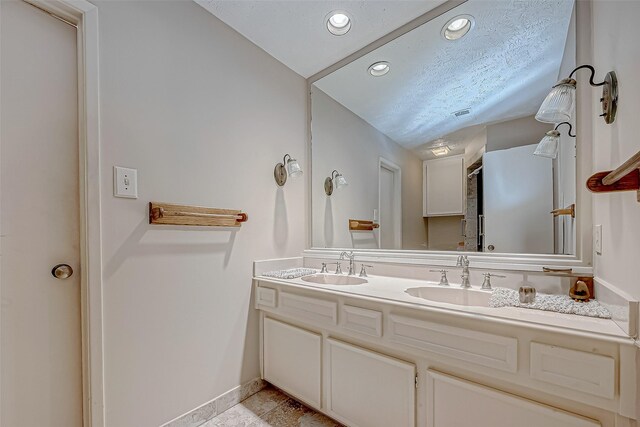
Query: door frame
x=397 y=187
x=84 y=16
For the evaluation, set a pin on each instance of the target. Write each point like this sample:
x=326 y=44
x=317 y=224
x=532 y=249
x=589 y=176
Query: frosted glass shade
x=558 y=105
x=293 y=168
x=548 y=146
x=339 y=181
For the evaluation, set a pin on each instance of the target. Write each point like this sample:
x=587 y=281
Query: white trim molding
x=84 y=16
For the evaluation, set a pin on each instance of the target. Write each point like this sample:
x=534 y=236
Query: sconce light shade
x=291 y=169
x=340 y=182
x=558 y=105
x=548 y=146
x=334 y=182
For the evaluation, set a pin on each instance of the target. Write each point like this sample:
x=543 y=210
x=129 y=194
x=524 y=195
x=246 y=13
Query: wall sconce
x=558 y=105
x=335 y=181
x=548 y=146
x=281 y=171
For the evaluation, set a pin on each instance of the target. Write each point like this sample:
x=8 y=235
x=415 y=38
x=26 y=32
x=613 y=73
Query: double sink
x=457 y=296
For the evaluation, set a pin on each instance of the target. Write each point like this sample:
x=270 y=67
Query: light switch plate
x=597 y=239
x=125 y=182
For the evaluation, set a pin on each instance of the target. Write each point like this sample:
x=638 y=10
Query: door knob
x=62 y=271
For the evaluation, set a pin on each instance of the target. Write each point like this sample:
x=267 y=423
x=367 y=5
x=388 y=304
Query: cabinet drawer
x=310 y=309
x=265 y=297
x=493 y=351
x=578 y=370
x=362 y=320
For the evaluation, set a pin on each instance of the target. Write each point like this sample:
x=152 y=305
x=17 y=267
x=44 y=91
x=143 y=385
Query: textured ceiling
x=501 y=69
x=294 y=31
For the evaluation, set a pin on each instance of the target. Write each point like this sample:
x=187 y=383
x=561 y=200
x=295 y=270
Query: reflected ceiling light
x=336 y=181
x=457 y=27
x=440 y=151
x=379 y=68
x=288 y=167
x=338 y=23
x=558 y=106
x=548 y=146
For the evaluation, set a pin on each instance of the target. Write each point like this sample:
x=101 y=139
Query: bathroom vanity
x=374 y=355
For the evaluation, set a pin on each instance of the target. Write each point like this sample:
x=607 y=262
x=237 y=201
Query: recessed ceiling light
x=379 y=68
x=440 y=151
x=338 y=23
x=457 y=27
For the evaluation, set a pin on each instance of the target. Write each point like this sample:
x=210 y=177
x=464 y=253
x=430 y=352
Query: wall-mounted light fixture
x=559 y=104
x=336 y=181
x=548 y=146
x=289 y=167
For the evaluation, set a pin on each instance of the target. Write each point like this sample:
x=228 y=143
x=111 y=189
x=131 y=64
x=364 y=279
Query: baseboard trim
x=210 y=409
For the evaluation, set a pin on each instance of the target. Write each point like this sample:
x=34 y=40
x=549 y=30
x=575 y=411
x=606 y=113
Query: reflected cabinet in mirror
x=430 y=141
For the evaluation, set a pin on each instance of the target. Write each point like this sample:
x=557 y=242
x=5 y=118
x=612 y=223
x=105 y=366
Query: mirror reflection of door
x=390 y=205
x=518 y=196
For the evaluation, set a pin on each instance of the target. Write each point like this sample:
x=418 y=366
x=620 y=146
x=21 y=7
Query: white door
x=390 y=185
x=452 y=402
x=518 y=199
x=368 y=389
x=41 y=380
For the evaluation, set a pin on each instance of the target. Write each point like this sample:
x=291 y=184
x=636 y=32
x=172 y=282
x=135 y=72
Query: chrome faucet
x=352 y=261
x=463 y=261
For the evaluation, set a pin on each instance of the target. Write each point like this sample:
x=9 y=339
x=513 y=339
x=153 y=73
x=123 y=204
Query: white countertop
x=391 y=289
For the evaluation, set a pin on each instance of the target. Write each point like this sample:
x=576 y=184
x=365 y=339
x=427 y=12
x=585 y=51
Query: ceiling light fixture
x=336 y=181
x=548 y=146
x=440 y=151
x=379 y=68
x=338 y=23
x=457 y=27
x=558 y=106
x=288 y=167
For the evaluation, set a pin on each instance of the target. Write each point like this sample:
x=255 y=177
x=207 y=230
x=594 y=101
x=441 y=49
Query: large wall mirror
x=429 y=141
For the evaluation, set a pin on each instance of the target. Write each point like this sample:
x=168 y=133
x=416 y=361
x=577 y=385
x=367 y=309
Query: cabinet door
x=291 y=358
x=444 y=186
x=453 y=402
x=367 y=389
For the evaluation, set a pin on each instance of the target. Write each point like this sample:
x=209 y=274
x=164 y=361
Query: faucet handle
x=324 y=268
x=443 y=278
x=363 y=272
x=486 y=284
x=338 y=268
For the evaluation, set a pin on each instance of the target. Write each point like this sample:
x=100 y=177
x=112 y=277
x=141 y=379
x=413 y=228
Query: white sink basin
x=334 y=279
x=458 y=296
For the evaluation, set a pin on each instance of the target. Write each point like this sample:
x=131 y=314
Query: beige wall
x=204 y=115
x=615 y=47
x=515 y=133
x=341 y=140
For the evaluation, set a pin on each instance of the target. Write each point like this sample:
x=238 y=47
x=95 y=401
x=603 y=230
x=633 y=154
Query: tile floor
x=270 y=408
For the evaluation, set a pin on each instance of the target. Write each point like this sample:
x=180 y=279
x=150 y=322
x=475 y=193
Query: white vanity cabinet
x=443 y=186
x=453 y=402
x=369 y=363
x=291 y=360
x=368 y=389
